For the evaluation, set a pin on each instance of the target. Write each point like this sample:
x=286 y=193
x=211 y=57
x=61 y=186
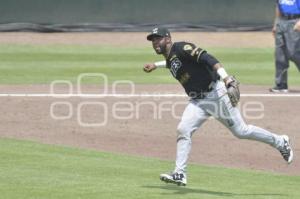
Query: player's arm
x=231 y=83
x=277 y=15
x=199 y=55
x=222 y=73
x=217 y=66
x=296 y=26
x=152 y=66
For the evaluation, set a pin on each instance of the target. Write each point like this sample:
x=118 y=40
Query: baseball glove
x=233 y=91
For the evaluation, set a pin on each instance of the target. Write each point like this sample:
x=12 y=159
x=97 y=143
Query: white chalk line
x=127 y=95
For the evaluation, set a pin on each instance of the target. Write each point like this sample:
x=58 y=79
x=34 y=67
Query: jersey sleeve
x=199 y=55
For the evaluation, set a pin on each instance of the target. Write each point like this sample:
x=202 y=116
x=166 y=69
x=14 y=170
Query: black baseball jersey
x=193 y=68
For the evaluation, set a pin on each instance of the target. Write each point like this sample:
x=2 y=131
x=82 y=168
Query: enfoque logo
x=110 y=102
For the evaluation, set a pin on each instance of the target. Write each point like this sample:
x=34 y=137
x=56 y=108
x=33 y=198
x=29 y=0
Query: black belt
x=290 y=16
x=200 y=94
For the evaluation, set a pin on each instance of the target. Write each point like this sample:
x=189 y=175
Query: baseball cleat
x=286 y=151
x=277 y=89
x=174 y=178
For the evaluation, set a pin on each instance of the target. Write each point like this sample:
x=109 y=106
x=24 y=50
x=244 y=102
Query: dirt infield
x=145 y=133
x=30 y=117
x=205 y=39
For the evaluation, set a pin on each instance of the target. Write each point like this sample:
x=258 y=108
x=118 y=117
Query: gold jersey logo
x=187 y=47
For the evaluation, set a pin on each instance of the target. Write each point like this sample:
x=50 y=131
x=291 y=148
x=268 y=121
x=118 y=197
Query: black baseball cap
x=158 y=32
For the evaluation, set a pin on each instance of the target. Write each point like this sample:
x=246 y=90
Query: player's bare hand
x=274 y=30
x=297 y=26
x=149 y=67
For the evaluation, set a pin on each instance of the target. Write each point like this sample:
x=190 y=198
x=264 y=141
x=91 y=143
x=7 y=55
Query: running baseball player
x=212 y=92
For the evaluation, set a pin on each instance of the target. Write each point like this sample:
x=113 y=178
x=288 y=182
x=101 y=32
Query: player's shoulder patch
x=184 y=48
x=187 y=47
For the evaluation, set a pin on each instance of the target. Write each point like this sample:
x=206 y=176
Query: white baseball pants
x=218 y=105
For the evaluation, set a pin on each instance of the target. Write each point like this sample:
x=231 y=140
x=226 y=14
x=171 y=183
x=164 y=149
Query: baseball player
x=212 y=92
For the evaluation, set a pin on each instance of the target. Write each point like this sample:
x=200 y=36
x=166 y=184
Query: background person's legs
x=293 y=43
x=281 y=58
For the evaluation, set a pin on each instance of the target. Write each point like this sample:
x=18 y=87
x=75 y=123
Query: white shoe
x=279 y=90
x=286 y=151
x=175 y=178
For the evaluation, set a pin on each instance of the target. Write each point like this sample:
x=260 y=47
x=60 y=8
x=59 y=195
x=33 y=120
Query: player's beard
x=160 y=49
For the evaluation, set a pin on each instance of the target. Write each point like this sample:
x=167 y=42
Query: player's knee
x=281 y=62
x=183 y=131
x=242 y=131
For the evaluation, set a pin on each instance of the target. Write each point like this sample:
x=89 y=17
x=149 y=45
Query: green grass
x=29 y=64
x=30 y=170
